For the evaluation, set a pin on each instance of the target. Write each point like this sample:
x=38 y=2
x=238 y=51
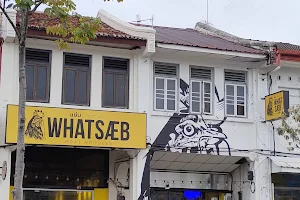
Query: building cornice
x=138 y=31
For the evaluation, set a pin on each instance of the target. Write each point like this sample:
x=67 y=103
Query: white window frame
x=235 y=85
x=191 y=96
x=166 y=78
x=201 y=81
x=211 y=98
x=201 y=96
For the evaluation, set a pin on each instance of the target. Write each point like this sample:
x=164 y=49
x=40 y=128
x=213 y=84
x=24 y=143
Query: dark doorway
x=64 y=168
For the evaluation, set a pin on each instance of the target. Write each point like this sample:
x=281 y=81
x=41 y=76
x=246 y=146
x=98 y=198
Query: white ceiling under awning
x=194 y=162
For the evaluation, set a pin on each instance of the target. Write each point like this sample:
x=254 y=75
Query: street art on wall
x=188 y=133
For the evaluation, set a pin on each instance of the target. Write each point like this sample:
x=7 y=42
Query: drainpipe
x=1 y=42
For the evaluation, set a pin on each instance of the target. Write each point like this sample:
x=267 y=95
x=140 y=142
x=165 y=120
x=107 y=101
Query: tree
x=290 y=128
x=66 y=31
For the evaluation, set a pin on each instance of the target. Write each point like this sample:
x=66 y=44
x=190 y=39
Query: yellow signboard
x=73 y=127
x=277 y=105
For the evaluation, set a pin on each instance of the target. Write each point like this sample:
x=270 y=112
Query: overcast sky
x=275 y=20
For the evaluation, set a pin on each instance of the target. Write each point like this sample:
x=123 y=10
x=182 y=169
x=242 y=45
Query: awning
x=285 y=164
x=194 y=162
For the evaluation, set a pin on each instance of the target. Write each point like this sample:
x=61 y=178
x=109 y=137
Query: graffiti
x=195 y=135
x=188 y=133
x=220 y=102
x=35 y=125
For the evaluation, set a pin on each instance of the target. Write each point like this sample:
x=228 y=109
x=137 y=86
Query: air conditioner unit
x=228 y=197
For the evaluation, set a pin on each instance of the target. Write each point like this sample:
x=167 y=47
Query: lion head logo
x=35 y=126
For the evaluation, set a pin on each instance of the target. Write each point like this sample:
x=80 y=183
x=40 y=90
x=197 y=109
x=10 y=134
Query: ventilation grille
x=201 y=73
x=164 y=69
x=116 y=64
x=77 y=60
x=37 y=55
x=235 y=76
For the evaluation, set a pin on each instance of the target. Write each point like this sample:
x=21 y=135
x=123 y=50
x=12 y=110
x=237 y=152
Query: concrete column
x=56 y=78
x=112 y=190
x=219 y=106
x=262 y=178
x=133 y=185
x=96 y=81
x=139 y=180
x=144 y=84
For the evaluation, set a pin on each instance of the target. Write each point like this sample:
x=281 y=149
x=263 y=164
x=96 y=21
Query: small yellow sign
x=74 y=127
x=277 y=105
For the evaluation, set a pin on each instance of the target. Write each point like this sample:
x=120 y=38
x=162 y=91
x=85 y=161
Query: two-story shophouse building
x=140 y=112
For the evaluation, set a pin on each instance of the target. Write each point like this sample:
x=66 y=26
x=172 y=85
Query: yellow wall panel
x=101 y=194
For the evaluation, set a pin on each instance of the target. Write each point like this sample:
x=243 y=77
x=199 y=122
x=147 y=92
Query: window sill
x=239 y=120
x=205 y=116
x=163 y=113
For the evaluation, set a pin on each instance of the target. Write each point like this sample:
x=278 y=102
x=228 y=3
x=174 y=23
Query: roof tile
x=191 y=37
x=287 y=46
x=39 y=20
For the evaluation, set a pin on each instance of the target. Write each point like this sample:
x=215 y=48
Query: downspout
x=1 y=43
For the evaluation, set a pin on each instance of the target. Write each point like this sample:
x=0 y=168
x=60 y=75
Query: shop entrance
x=185 y=194
x=53 y=173
x=41 y=194
x=286 y=186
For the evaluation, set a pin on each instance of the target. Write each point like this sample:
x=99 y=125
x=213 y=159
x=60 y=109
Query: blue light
x=191 y=194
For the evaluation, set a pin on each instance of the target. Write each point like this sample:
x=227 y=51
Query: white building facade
x=198 y=98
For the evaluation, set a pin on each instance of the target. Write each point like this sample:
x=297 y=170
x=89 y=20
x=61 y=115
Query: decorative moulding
x=147 y=33
x=8 y=31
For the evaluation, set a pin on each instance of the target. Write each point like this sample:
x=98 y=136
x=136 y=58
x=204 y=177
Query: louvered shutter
x=201 y=89
x=76 y=79
x=235 y=76
x=37 y=55
x=235 y=93
x=165 y=69
x=165 y=87
x=115 y=82
x=77 y=60
x=116 y=64
x=201 y=73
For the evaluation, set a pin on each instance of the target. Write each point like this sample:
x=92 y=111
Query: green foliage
x=290 y=128
x=70 y=27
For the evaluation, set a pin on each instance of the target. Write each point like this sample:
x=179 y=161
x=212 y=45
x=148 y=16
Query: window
x=165 y=86
x=76 y=79
x=201 y=90
x=37 y=75
x=115 y=82
x=235 y=90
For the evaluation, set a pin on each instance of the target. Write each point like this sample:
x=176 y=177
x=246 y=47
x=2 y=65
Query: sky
x=272 y=20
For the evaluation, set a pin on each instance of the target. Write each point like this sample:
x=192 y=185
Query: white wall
x=9 y=88
x=287 y=78
x=4 y=184
x=237 y=129
x=243 y=133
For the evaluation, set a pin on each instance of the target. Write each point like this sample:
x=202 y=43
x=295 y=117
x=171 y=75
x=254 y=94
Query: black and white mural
x=188 y=133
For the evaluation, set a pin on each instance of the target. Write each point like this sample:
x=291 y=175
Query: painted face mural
x=188 y=133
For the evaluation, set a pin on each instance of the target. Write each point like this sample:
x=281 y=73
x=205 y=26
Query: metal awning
x=194 y=162
x=285 y=164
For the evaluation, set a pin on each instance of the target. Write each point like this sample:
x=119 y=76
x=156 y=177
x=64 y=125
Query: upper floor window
x=76 y=79
x=115 y=82
x=37 y=75
x=165 y=87
x=201 y=90
x=235 y=93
